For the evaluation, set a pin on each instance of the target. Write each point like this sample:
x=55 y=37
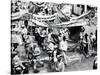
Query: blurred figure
x=95 y=63
x=81 y=35
x=50 y=32
x=63 y=47
x=87 y=43
x=17 y=62
x=24 y=29
x=50 y=49
x=21 y=52
x=66 y=34
x=60 y=65
x=92 y=40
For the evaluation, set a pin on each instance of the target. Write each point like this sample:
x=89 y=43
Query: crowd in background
x=32 y=7
x=30 y=43
x=25 y=44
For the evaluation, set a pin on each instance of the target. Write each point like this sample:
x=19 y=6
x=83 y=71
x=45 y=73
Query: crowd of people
x=26 y=45
x=32 y=7
x=88 y=43
x=30 y=43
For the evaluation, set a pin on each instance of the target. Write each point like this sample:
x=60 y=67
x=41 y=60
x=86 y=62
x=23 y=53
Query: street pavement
x=84 y=64
x=81 y=65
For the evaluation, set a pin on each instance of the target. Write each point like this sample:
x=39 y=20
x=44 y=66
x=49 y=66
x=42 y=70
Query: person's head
x=86 y=34
x=31 y=3
x=30 y=55
x=82 y=29
x=91 y=33
x=50 y=30
x=59 y=34
x=22 y=26
x=25 y=36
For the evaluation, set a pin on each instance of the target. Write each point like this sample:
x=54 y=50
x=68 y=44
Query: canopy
x=77 y=21
x=18 y=15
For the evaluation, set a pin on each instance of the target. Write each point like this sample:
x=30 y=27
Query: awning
x=77 y=21
x=77 y=24
x=17 y=15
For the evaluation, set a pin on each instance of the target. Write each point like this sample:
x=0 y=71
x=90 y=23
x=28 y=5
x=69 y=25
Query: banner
x=44 y=18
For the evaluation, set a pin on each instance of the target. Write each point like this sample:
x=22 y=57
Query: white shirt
x=93 y=37
x=63 y=45
x=24 y=31
x=49 y=37
x=37 y=51
x=51 y=46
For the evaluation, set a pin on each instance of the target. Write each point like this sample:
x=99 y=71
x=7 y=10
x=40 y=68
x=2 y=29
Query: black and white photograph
x=52 y=37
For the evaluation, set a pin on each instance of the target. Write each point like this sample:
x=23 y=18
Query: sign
x=44 y=18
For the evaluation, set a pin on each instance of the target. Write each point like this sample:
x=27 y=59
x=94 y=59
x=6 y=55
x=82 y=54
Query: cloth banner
x=44 y=18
